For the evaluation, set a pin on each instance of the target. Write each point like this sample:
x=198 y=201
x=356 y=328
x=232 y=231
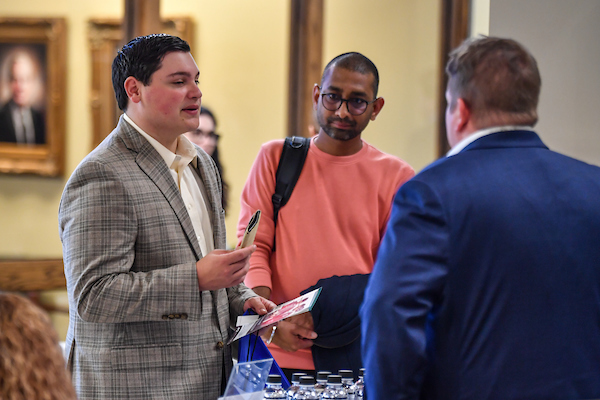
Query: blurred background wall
x=242 y=50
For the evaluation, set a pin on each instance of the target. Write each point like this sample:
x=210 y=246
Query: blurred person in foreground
x=152 y=292
x=32 y=365
x=328 y=234
x=207 y=138
x=487 y=284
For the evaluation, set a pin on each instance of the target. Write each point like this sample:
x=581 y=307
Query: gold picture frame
x=106 y=38
x=37 y=48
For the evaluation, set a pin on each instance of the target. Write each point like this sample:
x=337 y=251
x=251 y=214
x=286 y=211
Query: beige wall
x=480 y=17
x=28 y=204
x=241 y=48
x=563 y=37
x=401 y=38
x=244 y=74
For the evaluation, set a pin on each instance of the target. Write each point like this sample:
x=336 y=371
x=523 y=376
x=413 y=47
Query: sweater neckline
x=338 y=159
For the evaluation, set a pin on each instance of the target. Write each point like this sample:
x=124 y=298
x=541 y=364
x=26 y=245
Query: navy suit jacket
x=336 y=321
x=487 y=282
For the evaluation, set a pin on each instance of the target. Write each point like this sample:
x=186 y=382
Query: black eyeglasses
x=355 y=106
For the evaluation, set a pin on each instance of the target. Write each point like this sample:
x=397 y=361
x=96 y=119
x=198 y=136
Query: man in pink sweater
x=334 y=221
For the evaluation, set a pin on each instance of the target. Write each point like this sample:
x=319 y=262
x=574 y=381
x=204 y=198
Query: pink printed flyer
x=288 y=309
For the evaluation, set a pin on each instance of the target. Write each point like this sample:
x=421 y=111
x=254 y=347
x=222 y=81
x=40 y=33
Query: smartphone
x=250 y=231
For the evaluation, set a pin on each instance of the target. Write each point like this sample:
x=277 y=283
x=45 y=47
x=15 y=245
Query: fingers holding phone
x=251 y=229
x=223 y=268
x=226 y=268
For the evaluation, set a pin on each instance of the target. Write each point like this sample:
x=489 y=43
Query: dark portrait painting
x=23 y=93
x=32 y=95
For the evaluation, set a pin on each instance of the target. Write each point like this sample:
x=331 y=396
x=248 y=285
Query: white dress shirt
x=181 y=170
x=484 y=132
x=23 y=123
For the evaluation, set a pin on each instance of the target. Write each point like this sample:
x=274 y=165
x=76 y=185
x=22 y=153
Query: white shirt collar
x=185 y=153
x=484 y=132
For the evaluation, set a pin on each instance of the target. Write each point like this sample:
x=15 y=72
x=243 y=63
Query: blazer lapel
x=210 y=186
x=156 y=169
x=207 y=175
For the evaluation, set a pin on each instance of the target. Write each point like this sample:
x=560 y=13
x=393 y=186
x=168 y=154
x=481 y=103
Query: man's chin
x=340 y=134
x=21 y=103
x=192 y=125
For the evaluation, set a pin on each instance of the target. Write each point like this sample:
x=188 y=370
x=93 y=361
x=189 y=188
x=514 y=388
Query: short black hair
x=140 y=58
x=356 y=62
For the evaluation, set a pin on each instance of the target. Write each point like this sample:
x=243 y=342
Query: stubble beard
x=335 y=133
x=338 y=134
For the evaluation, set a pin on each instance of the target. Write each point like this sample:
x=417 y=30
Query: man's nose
x=342 y=111
x=196 y=92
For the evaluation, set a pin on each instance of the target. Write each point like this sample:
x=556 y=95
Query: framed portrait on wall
x=32 y=95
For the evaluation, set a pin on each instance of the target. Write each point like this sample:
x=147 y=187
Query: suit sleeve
x=406 y=283
x=237 y=296
x=98 y=228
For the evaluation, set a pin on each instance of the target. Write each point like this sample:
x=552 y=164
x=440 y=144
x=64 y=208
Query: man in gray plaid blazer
x=151 y=300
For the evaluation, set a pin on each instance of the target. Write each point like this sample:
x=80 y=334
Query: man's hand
x=260 y=305
x=221 y=269
x=303 y=320
x=292 y=337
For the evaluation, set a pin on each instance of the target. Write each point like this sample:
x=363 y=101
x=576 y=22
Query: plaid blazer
x=139 y=326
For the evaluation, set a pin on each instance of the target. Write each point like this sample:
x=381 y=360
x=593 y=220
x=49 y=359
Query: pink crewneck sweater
x=332 y=224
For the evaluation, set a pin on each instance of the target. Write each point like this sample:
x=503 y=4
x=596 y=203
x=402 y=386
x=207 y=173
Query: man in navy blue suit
x=487 y=282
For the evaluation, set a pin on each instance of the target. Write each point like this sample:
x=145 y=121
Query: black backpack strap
x=290 y=166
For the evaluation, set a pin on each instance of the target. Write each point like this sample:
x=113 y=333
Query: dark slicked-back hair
x=356 y=62
x=140 y=58
x=497 y=78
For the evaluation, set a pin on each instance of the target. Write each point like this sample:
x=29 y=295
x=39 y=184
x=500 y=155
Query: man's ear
x=463 y=114
x=377 y=106
x=315 y=96
x=133 y=89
